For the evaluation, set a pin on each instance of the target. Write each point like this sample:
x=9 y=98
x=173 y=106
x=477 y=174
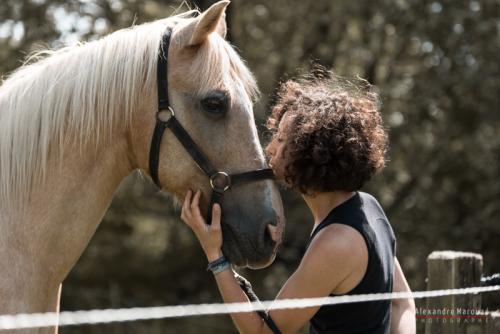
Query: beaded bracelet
x=218 y=265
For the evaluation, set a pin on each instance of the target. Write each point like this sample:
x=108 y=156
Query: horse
x=76 y=121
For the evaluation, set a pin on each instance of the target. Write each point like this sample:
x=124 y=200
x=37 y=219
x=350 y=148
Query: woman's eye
x=215 y=104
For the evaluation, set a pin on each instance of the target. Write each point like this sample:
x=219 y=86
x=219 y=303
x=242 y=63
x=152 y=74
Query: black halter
x=219 y=180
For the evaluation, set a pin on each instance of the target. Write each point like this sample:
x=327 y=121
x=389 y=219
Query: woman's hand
x=210 y=236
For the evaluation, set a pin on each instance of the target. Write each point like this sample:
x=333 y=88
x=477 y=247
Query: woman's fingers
x=210 y=236
x=186 y=207
x=216 y=215
x=195 y=205
x=191 y=210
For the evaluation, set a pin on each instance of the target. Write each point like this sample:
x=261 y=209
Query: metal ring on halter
x=227 y=184
x=164 y=115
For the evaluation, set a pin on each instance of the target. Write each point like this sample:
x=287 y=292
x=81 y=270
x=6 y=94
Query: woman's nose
x=269 y=149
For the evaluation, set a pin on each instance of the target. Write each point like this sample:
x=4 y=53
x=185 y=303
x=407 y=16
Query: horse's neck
x=40 y=244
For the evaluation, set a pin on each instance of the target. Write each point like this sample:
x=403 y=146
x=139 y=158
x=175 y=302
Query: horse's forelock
x=217 y=65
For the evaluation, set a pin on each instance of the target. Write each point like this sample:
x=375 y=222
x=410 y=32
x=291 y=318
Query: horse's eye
x=216 y=103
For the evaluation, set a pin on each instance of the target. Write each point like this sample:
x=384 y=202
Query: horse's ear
x=213 y=19
x=222 y=26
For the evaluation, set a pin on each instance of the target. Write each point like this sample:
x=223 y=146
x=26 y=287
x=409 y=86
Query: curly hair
x=335 y=140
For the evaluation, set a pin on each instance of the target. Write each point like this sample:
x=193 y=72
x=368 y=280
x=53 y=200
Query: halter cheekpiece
x=220 y=181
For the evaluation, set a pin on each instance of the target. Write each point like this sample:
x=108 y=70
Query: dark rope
x=490 y=280
x=247 y=289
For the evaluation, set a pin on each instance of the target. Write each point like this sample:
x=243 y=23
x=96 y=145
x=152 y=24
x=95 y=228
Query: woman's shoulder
x=336 y=237
x=338 y=241
x=341 y=250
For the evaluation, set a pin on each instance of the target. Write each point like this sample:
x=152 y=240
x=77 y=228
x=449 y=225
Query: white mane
x=83 y=90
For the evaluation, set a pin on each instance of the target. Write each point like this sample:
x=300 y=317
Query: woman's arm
x=403 y=319
x=210 y=237
x=330 y=259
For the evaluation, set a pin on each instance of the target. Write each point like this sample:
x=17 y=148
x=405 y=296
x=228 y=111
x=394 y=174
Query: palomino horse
x=75 y=123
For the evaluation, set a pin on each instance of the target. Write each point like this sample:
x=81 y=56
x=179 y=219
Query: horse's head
x=211 y=91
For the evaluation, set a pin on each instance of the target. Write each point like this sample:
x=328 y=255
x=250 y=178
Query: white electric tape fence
x=68 y=318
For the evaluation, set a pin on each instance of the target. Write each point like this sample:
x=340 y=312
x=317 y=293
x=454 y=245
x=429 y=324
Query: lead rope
x=491 y=280
x=247 y=289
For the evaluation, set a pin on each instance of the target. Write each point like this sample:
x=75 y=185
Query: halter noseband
x=165 y=118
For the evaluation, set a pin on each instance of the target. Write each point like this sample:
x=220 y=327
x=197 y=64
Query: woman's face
x=276 y=149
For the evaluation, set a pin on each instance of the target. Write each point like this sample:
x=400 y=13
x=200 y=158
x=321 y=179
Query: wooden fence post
x=452 y=270
x=493 y=323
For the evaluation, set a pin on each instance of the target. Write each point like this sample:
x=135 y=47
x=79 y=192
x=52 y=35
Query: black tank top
x=363 y=213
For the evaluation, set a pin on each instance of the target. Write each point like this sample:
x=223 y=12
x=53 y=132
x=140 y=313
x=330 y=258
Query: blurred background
x=436 y=65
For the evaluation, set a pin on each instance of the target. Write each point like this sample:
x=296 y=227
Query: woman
x=328 y=141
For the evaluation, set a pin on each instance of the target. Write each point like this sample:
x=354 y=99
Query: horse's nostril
x=271 y=235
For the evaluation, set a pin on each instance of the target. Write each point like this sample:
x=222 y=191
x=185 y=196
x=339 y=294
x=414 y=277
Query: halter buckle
x=220 y=181
x=165 y=114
